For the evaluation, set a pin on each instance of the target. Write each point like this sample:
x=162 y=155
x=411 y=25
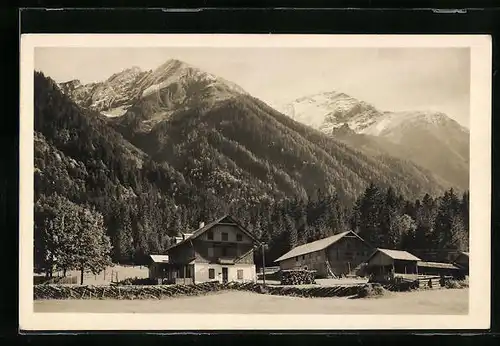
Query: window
x=240 y=274
x=297 y=258
x=223 y=251
x=210 y=252
x=211 y=273
x=303 y=257
x=210 y=235
x=224 y=236
x=239 y=237
x=189 y=273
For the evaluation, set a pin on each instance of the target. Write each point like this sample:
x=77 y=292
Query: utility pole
x=263 y=265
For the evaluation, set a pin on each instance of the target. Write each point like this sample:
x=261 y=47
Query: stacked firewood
x=165 y=291
x=297 y=277
x=122 y=292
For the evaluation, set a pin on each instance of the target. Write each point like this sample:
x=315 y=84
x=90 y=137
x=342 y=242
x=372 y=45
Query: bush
x=371 y=291
x=137 y=281
x=457 y=284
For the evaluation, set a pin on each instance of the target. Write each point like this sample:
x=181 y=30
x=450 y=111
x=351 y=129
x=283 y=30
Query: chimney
x=186 y=235
x=202 y=224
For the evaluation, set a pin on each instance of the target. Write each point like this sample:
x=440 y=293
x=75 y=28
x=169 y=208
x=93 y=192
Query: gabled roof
x=201 y=230
x=159 y=258
x=396 y=254
x=314 y=246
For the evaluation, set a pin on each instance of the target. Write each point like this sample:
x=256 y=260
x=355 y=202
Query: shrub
x=137 y=281
x=457 y=284
x=371 y=291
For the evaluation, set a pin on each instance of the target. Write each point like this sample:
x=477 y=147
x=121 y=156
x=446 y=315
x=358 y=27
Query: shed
x=438 y=268
x=462 y=261
x=384 y=261
x=158 y=267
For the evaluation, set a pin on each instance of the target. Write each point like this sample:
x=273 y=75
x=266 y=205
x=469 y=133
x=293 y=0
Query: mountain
x=223 y=140
x=406 y=135
x=172 y=86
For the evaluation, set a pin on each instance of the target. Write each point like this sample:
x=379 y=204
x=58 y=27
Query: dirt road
x=442 y=301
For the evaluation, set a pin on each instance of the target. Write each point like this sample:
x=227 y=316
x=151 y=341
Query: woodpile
x=122 y=292
x=297 y=277
x=130 y=292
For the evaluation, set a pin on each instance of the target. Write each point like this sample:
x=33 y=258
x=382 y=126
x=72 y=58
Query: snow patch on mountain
x=176 y=84
x=331 y=110
x=115 y=112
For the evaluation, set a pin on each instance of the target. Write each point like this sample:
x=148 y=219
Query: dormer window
x=210 y=235
x=239 y=237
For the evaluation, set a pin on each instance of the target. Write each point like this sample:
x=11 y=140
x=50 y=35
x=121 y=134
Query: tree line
x=69 y=236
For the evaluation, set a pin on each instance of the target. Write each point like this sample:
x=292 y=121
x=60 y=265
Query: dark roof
x=396 y=254
x=314 y=246
x=208 y=226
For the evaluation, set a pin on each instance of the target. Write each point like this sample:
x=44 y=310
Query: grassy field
x=114 y=273
x=441 y=301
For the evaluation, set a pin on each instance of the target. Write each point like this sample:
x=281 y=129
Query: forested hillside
x=287 y=183
x=242 y=149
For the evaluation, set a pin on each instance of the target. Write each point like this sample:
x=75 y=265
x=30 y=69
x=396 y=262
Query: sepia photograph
x=255 y=182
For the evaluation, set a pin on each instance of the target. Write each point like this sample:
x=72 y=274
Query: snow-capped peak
x=330 y=110
x=176 y=71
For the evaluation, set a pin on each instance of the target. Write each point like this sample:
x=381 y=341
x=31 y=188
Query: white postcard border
x=480 y=190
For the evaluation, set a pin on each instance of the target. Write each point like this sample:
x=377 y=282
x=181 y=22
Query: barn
x=340 y=254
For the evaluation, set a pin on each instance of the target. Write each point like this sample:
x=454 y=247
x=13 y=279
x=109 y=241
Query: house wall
x=405 y=267
x=182 y=254
x=157 y=271
x=312 y=261
x=348 y=253
x=232 y=231
x=380 y=259
x=206 y=250
x=202 y=272
x=152 y=271
x=209 y=251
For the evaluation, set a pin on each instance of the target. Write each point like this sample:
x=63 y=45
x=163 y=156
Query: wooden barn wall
x=348 y=253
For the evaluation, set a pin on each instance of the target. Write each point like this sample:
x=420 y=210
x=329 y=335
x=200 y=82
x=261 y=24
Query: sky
x=392 y=79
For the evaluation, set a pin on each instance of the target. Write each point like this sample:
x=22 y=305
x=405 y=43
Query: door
x=225 y=275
